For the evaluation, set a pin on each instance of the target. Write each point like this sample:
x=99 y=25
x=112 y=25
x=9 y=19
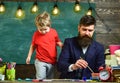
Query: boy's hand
x=28 y=60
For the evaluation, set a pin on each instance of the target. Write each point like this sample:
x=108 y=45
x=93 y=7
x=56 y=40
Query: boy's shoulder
x=53 y=29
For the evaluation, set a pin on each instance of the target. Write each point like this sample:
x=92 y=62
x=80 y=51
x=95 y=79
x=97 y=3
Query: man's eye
x=84 y=30
x=90 y=30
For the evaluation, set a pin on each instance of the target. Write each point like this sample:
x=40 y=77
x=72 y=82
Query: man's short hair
x=87 y=20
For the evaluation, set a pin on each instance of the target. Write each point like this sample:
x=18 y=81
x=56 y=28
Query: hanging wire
x=107 y=27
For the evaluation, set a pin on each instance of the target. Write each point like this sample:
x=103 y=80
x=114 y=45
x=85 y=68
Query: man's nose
x=87 y=32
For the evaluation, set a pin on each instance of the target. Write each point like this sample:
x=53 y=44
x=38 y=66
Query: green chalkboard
x=16 y=34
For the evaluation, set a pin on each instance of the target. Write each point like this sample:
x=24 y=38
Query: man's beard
x=84 y=41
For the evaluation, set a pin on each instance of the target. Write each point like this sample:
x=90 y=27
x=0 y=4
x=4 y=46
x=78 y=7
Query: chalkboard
x=16 y=34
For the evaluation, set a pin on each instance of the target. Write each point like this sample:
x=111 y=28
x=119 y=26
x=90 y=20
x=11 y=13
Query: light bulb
x=89 y=12
x=19 y=13
x=34 y=8
x=77 y=8
x=2 y=7
x=55 y=10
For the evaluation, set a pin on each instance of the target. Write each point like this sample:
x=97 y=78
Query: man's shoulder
x=70 y=39
x=98 y=44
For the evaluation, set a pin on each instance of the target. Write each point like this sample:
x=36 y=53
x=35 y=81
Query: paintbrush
x=88 y=66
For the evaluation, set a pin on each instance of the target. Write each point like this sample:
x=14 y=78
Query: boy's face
x=43 y=30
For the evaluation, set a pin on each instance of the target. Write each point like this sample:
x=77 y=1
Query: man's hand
x=79 y=64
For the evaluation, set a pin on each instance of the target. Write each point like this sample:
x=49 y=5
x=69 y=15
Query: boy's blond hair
x=43 y=20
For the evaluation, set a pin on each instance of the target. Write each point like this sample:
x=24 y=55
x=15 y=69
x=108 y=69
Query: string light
x=20 y=12
x=34 y=8
x=2 y=7
x=77 y=6
x=55 y=10
x=89 y=12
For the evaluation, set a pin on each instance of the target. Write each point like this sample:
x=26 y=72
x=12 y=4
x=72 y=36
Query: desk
x=54 y=81
x=50 y=82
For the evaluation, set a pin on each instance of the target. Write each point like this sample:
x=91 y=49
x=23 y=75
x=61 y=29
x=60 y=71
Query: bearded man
x=81 y=55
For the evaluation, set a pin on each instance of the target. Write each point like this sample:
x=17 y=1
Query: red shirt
x=45 y=44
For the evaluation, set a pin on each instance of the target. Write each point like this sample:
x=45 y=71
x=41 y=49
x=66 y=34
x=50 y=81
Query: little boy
x=44 y=41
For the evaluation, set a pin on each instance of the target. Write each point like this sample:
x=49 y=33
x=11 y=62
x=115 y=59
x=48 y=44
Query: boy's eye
x=43 y=29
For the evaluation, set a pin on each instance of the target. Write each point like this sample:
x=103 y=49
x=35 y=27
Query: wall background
x=16 y=34
x=109 y=13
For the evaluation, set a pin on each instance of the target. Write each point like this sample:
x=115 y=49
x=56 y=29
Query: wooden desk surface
x=53 y=81
x=50 y=82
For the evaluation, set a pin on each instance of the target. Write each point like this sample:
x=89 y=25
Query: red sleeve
x=57 y=39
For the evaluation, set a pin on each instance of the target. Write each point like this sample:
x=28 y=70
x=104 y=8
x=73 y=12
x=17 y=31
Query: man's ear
x=78 y=28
